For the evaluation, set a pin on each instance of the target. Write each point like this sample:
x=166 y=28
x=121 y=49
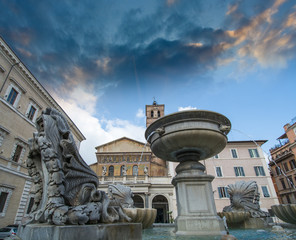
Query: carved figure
x=65 y=186
x=244 y=196
x=146 y=170
x=124 y=169
x=104 y=172
x=121 y=194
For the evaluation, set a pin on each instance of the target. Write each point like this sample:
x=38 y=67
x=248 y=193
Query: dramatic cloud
x=98 y=131
x=93 y=55
x=268 y=37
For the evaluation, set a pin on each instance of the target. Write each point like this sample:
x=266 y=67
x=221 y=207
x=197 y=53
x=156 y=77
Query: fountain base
x=114 y=231
x=197 y=213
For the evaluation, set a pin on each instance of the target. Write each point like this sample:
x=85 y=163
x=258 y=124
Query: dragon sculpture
x=65 y=186
x=244 y=196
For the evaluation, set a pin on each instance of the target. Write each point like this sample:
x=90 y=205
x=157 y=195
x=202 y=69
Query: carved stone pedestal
x=114 y=231
x=197 y=213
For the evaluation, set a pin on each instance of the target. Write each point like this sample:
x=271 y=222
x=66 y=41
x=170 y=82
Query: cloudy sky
x=103 y=61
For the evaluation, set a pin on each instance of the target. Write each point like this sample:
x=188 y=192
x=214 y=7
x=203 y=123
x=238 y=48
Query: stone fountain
x=67 y=202
x=244 y=209
x=188 y=137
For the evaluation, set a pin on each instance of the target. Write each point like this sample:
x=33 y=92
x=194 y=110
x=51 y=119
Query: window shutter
x=251 y=153
x=256 y=171
x=236 y=171
x=242 y=170
x=219 y=191
x=262 y=171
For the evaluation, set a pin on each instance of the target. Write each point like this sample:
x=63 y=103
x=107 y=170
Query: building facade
x=132 y=163
x=22 y=99
x=121 y=161
x=241 y=161
x=283 y=164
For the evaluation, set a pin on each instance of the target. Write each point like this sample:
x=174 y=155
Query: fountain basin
x=235 y=217
x=285 y=212
x=188 y=135
x=146 y=216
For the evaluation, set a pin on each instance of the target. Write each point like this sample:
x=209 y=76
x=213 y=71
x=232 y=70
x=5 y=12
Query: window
x=151 y=113
x=30 y=205
x=158 y=113
x=219 y=172
x=290 y=181
x=216 y=156
x=13 y=93
x=3 y=133
x=265 y=191
x=283 y=183
x=288 y=198
x=12 y=96
x=5 y=194
x=278 y=170
x=239 y=171
x=31 y=113
x=259 y=170
x=286 y=167
x=135 y=170
x=111 y=171
x=292 y=164
x=17 y=153
x=253 y=153
x=234 y=153
x=3 y=198
x=223 y=193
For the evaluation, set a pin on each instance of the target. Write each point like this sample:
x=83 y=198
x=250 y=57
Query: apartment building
x=241 y=161
x=283 y=164
x=22 y=99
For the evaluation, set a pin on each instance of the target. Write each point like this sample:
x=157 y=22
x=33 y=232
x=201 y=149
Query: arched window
x=135 y=170
x=158 y=113
x=152 y=113
x=111 y=171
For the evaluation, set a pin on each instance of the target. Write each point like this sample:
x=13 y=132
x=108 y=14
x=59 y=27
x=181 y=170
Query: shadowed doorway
x=138 y=201
x=160 y=203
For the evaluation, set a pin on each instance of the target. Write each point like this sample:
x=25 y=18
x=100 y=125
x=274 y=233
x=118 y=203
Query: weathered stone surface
x=196 y=207
x=115 y=231
x=244 y=197
x=146 y=216
x=65 y=186
x=286 y=212
x=188 y=137
x=121 y=195
x=235 y=217
x=196 y=131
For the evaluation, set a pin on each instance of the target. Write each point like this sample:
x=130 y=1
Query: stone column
x=197 y=213
x=146 y=200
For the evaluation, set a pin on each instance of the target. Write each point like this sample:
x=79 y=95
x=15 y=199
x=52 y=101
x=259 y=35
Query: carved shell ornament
x=244 y=196
x=65 y=186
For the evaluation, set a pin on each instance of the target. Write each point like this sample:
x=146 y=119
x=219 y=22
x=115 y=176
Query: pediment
x=123 y=145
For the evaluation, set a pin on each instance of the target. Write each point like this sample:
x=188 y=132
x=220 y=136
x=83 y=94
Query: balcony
x=282 y=155
x=278 y=146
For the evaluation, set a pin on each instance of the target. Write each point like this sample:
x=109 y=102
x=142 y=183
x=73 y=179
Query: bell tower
x=153 y=112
